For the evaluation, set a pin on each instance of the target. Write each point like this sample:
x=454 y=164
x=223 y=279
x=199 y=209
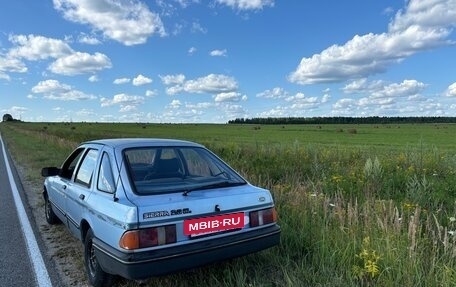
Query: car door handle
x=64 y=187
x=81 y=196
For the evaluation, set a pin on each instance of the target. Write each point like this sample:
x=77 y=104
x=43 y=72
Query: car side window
x=85 y=172
x=69 y=165
x=105 y=178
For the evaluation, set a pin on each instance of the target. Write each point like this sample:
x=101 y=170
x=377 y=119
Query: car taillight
x=148 y=237
x=262 y=217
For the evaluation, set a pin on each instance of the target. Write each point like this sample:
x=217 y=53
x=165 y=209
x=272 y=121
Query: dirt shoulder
x=64 y=250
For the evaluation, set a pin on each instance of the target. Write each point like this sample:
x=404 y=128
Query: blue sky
x=186 y=61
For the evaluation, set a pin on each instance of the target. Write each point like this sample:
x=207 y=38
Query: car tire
x=51 y=218
x=97 y=277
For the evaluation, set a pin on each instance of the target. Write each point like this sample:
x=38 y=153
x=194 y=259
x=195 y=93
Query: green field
x=359 y=205
x=370 y=136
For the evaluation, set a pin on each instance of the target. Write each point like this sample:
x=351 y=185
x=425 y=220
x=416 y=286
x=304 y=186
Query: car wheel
x=51 y=218
x=97 y=277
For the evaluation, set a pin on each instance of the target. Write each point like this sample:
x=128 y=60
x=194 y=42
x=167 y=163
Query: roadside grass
x=371 y=208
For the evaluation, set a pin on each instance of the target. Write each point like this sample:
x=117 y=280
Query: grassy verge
x=353 y=212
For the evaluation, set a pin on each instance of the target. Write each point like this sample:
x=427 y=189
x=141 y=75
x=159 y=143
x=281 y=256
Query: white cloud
x=93 y=79
x=186 y=3
x=210 y=84
x=192 y=50
x=425 y=24
x=120 y=81
x=126 y=102
x=434 y=14
x=228 y=97
x=34 y=48
x=426 y=107
x=301 y=98
x=416 y=98
x=71 y=95
x=167 y=8
x=4 y=76
x=127 y=21
x=49 y=86
x=173 y=79
x=178 y=27
x=54 y=90
x=204 y=105
x=387 y=99
x=16 y=111
x=176 y=111
x=301 y=101
x=175 y=104
x=362 y=86
x=388 y=11
x=380 y=102
x=232 y=111
x=85 y=113
x=171 y=8
x=278 y=111
x=198 y=28
x=141 y=80
x=345 y=106
x=180 y=114
x=451 y=91
x=325 y=98
x=218 y=53
x=151 y=93
x=247 y=4
x=89 y=40
x=80 y=63
x=174 y=90
x=128 y=108
x=9 y=64
x=298 y=105
x=404 y=89
x=380 y=89
x=275 y=93
x=121 y=99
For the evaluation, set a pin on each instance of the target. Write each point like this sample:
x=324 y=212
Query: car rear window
x=155 y=170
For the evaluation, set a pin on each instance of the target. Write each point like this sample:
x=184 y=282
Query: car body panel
x=56 y=188
x=167 y=260
x=113 y=207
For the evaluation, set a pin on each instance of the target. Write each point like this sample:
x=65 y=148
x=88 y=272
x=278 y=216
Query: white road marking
x=41 y=274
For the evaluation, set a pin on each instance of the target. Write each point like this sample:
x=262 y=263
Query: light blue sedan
x=146 y=207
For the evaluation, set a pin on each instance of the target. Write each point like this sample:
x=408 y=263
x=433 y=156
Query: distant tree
x=7 y=118
x=343 y=120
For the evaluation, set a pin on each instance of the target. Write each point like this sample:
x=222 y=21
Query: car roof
x=141 y=142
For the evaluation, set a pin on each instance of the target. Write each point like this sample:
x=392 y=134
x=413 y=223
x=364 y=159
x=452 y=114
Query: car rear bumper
x=141 y=265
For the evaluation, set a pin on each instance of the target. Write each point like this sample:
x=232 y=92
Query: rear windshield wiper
x=224 y=183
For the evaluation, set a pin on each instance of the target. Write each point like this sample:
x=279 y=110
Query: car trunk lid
x=170 y=207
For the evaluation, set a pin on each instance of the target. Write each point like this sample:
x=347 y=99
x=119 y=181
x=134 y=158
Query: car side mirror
x=50 y=171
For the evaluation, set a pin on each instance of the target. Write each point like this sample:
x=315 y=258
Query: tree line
x=9 y=118
x=342 y=120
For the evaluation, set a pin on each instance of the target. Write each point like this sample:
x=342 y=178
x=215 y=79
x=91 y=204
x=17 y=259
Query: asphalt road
x=20 y=251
